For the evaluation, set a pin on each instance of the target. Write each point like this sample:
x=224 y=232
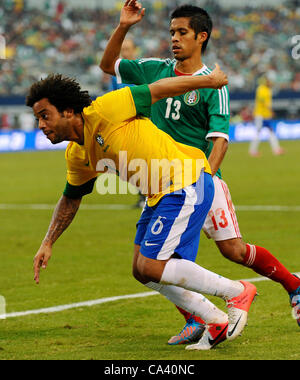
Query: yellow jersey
x=118 y=138
x=263 y=102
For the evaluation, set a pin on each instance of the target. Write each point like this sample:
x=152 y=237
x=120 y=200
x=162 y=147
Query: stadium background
x=92 y=259
x=69 y=37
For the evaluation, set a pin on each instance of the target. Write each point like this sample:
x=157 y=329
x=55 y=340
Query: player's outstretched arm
x=216 y=157
x=63 y=215
x=131 y=13
x=170 y=87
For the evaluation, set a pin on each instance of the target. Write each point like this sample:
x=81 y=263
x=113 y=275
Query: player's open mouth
x=47 y=134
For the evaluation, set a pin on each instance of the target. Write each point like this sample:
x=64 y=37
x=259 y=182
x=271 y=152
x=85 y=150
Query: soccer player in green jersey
x=199 y=118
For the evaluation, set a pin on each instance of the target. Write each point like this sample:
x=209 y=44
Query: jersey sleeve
x=218 y=114
x=140 y=71
x=76 y=192
x=80 y=177
x=142 y=99
x=124 y=104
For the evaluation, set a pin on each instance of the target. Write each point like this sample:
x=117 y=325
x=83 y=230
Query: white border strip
x=100 y=301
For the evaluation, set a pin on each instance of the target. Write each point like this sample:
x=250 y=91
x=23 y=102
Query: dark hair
x=62 y=92
x=200 y=20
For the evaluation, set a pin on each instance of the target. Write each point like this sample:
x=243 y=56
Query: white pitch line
x=260 y=279
x=16 y=206
x=99 y=301
x=56 y=309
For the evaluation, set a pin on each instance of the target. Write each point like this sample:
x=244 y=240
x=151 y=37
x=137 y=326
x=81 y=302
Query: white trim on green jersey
x=203 y=70
x=211 y=135
x=117 y=71
x=223 y=100
x=223 y=93
x=142 y=60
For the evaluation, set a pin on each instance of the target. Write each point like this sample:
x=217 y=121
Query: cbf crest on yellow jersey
x=118 y=136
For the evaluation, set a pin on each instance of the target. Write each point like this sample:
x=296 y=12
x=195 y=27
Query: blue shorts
x=268 y=124
x=174 y=224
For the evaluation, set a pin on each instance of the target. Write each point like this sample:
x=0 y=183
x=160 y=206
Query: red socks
x=188 y=315
x=265 y=264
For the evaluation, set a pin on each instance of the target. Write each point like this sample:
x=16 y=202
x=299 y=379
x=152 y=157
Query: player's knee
x=135 y=271
x=143 y=269
x=137 y=275
x=149 y=270
x=234 y=250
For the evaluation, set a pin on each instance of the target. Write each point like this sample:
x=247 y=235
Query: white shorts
x=221 y=221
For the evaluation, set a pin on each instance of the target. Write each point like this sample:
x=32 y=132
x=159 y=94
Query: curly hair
x=200 y=20
x=62 y=92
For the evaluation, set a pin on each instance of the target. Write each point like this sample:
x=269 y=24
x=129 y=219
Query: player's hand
x=219 y=78
x=41 y=261
x=131 y=13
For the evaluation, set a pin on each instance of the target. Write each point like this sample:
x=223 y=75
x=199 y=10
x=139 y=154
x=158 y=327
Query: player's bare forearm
x=217 y=154
x=63 y=215
x=131 y=13
x=170 y=87
x=113 y=49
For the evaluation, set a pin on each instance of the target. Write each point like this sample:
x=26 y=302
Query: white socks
x=273 y=139
x=188 y=275
x=192 y=302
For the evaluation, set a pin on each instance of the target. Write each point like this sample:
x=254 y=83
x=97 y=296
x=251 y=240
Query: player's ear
x=69 y=112
x=202 y=37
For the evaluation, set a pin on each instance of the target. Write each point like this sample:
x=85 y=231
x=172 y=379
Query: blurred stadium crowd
x=247 y=42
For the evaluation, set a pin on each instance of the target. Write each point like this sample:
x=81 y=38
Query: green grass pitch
x=92 y=260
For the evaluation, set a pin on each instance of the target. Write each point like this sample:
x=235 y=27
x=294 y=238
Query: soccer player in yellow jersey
x=263 y=113
x=176 y=210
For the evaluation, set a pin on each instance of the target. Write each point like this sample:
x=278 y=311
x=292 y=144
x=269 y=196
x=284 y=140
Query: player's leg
x=222 y=226
x=195 y=303
x=188 y=275
x=201 y=310
x=295 y=304
x=253 y=149
x=215 y=221
x=194 y=324
x=169 y=233
x=264 y=263
x=261 y=261
x=274 y=142
x=234 y=249
x=141 y=201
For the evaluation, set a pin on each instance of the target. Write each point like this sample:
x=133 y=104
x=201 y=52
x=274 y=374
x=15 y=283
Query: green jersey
x=193 y=118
